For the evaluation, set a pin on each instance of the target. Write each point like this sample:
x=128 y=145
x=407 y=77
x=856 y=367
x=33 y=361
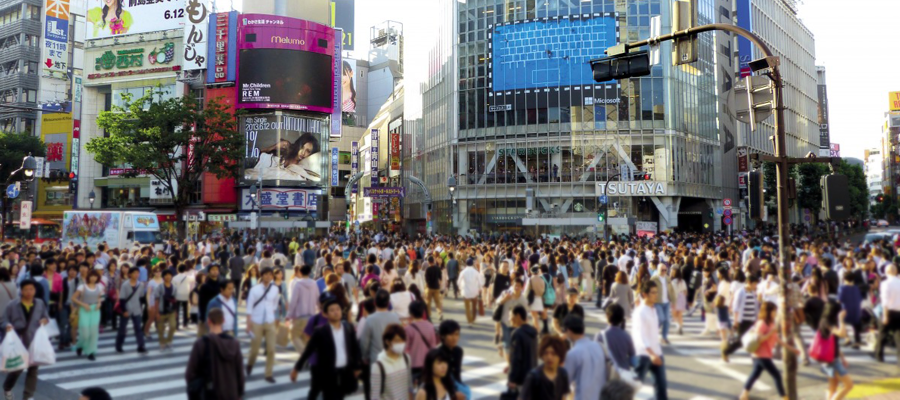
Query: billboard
x=90 y=228
x=395 y=128
x=223 y=50
x=281 y=199
x=824 y=133
x=373 y=151
x=835 y=150
x=56 y=38
x=336 y=117
x=354 y=164
x=285 y=150
x=108 y=18
x=343 y=16
x=148 y=58
x=550 y=53
x=745 y=48
x=195 y=35
x=894 y=101
x=285 y=63
x=348 y=85
x=56 y=132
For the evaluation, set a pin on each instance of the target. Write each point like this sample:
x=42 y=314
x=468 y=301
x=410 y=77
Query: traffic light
x=879 y=198
x=684 y=16
x=755 y=195
x=835 y=197
x=621 y=67
x=601 y=214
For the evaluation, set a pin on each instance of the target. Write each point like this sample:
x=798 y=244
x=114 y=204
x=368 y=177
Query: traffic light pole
x=782 y=163
x=606 y=215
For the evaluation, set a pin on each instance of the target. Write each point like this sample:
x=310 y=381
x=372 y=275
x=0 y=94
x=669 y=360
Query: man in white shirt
x=665 y=300
x=470 y=283
x=623 y=261
x=262 y=302
x=890 y=304
x=644 y=332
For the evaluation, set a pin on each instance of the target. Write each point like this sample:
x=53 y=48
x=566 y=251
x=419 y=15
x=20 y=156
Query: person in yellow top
x=111 y=19
x=293 y=247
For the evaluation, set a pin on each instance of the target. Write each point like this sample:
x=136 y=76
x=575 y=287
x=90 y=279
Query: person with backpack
x=215 y=368
x=761 y=346
x=391 y=374
x=826 y=350
x=549 y=296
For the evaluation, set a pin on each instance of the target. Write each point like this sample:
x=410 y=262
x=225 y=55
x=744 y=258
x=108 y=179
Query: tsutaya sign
x=632 y=189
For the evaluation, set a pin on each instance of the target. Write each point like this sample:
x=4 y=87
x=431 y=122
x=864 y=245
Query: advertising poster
x=285 y=150
x=336 y=114
x=334 y=166
x=354 y=164
x=222 y=48
x=395 y=128
x=56 y=38
x=647 y=229
x=148 y=59
x=56 y=132
x=282 y=199
x=373 y=150
x=195 y=35
x=824 y=132
x=348 y=86
x=894 y=101
x=745 y=48
x=285 y=63
x=108 y=18
x=90 y=228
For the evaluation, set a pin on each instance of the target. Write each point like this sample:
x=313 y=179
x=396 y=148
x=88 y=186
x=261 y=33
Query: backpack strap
x=383 y=378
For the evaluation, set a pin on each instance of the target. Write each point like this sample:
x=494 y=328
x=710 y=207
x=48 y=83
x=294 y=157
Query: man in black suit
x=334 y=369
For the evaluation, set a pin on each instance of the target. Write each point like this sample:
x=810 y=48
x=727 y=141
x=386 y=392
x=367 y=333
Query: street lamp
x=29 y=164
x=91 y=198
x=451 y=184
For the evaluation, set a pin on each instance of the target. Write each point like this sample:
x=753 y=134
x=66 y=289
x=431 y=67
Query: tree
x=173 y=140
x=14 y=147
x=809 y=191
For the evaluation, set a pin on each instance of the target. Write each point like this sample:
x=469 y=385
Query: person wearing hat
x=262 y=303
x=562 y=311
x=336 y=367
x=470 y=283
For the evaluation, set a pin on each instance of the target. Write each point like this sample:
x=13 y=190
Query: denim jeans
x=136 y=320
x=65 y=331
x=642 y=364
x=664 y=313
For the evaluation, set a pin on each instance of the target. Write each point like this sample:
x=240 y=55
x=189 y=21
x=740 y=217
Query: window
x=33 y=12
x=31 y=96
x=32 y=40
x=31 y=67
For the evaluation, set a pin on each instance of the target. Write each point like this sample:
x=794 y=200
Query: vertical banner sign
x=338 y=62
x=76 y=145
x=222 y=47
x=725 y=82
x=56 y=38
x=354 y=164
x=745 y=48
x=395 y=128
x=195 y=33
x=25 y=215
x=824 y=133
x=373 y=149
x=334 y=166
x=220 y=63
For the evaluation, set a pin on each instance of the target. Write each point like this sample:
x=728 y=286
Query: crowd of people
x=366 y=312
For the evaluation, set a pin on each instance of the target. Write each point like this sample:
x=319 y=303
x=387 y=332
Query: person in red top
x=767 y=331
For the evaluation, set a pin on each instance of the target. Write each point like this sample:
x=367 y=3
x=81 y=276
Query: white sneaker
x=9 y=395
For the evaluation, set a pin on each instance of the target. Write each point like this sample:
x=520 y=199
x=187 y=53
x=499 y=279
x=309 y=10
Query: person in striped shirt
x=391 y=372
x=745 y=307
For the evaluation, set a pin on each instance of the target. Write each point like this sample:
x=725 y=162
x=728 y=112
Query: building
x=874 y=169
x=531 y=151
x=822 y=95
x=890 y=138
x=20 y=58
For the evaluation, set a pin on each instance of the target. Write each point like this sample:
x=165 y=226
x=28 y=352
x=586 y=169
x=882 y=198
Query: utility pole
x=620 y=64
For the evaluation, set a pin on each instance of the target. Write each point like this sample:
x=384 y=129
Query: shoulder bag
x=119 y=309
x=613 y=372
x=201 y=387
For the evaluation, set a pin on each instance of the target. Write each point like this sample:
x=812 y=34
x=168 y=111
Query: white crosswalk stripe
x=160 y=375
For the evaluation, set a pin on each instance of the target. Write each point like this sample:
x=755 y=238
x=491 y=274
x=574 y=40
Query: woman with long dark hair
x=110 y=19
x=283 y=160
x=833 y=322
x=348 y=90
x=437 y=384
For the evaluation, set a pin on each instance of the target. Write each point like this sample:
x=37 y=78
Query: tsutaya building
x=631 y=189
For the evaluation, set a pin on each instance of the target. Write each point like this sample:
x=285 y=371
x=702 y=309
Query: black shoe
x=142 y=350
x=120 y=351
x=270 y=379
x=78 y=351
x=91 y=357
x=249 y=369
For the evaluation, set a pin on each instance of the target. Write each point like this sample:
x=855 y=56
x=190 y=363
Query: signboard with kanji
x=281 y=199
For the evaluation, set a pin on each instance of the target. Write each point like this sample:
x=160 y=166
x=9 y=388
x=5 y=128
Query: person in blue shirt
x=851 y=300
x=321 y=281
x=142 y=267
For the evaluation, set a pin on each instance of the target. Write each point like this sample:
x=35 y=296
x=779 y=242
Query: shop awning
x=122 y=182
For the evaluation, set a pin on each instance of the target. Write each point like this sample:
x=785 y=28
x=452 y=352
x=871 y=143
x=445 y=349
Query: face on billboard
x=280 y=76
x=348 y=86
x=108 y=18
x=286 y=149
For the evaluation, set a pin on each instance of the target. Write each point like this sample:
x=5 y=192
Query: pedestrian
x=745 y=308
x=507 y=303
x=644 y=332
x=449 y=331
x=208 y=291
x=522 y=347
x=890 y=308
x=570 y=307
x=166 y=310
x=851 y=300
x=437 y=384
x=262 y=303
x=400 y=300
x=70 y=285
x=667 y=297
x=130 y=304
x=94 y=393
x=152 y=309
x=615 y=338
x=371 y=343
x=433 y=277
x=585 y=361
x=228 y=303
x=548 y=381
x=452 y=270
x=469 y=283
x=834 y=323
x=183 y=285
x=215 y=368
x=587 y=274
x=338 y=356
x=536 y=288
x=24 y=315
x=391 y=373
x=681 y=292
x=302 y=306
x=421 y=338
x=766 y=331
x=88 y=298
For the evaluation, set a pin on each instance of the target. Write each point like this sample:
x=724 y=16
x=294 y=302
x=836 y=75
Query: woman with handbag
x=760 y=342
x=832 y=328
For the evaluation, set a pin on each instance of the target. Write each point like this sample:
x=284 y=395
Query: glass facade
x=528 y=114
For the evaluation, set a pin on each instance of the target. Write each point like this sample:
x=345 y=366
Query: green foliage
x=157 y=136
x=809 y=193
x=859 y=193
x=14 y=147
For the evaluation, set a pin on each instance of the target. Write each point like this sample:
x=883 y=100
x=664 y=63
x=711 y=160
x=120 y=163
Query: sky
x=853 y=43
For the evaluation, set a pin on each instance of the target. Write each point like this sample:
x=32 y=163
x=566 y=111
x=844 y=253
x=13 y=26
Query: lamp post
x=451 y=184
x=91 y=198
x=29 y=164
x=255 y=206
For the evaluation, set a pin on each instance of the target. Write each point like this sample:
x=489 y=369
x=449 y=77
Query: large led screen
x=285 y=150
x=552 y=52
x=279 y=76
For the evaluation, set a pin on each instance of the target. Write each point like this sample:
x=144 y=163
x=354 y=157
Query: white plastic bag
x=41 y=350
x=13 y=354
x=52 y=328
